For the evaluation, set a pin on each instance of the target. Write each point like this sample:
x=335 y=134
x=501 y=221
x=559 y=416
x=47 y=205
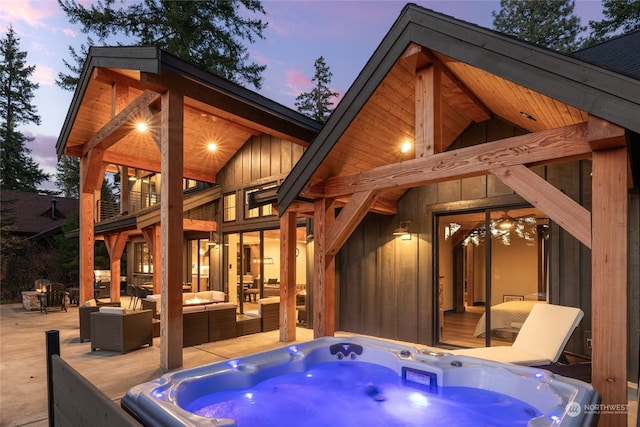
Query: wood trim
x=572 y=217
x=288 y=277
x=564 y=143
x=609 y=281
x=348 y=219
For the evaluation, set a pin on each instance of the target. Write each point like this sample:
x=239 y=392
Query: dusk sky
x=345 y=33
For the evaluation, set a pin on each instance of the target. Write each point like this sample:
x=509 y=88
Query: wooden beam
x=457 y=94
x=603 y=135
x=347 y=220
x=171 y=234
x=428 y=116
x=199 y=225
x=123 y=122
x=87 y=238
x=324 y=269
x=568 y=214
x=91 y=171
x=288 y=277
x=554 y=145
x=609 y=260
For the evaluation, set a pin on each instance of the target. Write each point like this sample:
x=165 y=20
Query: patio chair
x=541 y=339
x=55 y=297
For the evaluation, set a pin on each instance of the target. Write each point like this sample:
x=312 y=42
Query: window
x=142 y=262
x=229 y=207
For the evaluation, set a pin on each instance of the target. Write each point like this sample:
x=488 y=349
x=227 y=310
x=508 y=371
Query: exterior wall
x=386 y=286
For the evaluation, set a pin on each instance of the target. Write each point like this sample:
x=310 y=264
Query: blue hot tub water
x=360 y=394
x=360 y=381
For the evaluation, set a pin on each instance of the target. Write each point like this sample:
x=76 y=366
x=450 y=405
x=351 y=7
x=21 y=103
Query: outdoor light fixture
x=141 y=126
x=403 y=230
x=213 y=239
x=506 y=222
x=212 y=146
x=406 y=146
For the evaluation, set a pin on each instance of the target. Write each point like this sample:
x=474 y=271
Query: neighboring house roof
x=35 y=213
x=616 y=54
x=484 y=74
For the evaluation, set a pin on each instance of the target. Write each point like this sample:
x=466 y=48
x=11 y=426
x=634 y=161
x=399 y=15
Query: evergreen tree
x=318 y=103
x=18 y=171
x=68 y=176
x=621 y=16
x=547 y=23
x=206 y=33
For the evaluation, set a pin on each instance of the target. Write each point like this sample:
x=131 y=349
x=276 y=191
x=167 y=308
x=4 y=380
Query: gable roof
x=37 y=213
x=215 y=110
x=485 y=73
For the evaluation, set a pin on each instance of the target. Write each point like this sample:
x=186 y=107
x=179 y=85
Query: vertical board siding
x=261 y=157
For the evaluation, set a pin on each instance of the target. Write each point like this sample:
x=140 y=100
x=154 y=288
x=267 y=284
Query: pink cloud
x=32 y=13
x=297 y=83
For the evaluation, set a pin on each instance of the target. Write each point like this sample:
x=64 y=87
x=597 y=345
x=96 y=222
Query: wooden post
x=324 y=266
x=609 y=281
x=172 y=159
x=428 y=112
x=86 y=235
x=288 y=277
x=115 y=244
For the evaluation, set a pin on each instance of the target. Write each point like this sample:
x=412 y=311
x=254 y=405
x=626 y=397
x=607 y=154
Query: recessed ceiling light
x=212 y=146
x=528 y=116
x=141 y=126
x=406 y=146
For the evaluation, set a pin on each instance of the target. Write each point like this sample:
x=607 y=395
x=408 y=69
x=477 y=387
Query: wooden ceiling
x=468 y=94
x=206 y=121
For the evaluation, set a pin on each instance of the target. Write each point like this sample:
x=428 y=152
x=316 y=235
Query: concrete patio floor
x=23 y=372
x=23 y=387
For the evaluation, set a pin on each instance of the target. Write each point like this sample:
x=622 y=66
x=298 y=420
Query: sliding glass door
x=494 y=259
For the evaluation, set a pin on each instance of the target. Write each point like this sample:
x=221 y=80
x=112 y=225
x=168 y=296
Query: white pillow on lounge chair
x=541 y=340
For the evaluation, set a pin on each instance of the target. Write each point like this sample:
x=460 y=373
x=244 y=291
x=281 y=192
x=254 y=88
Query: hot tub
x=357 y=381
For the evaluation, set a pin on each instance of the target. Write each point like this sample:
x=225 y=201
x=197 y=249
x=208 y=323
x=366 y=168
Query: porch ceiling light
x=141 y=126
x=406 y=146
x=211 y=146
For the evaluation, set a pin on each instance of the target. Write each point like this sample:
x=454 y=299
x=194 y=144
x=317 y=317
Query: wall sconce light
x=403 y=230
x=213 y=239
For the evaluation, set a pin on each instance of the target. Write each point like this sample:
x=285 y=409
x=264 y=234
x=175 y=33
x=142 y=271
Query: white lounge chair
x=540 y=341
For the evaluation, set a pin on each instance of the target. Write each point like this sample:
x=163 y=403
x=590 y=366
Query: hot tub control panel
x=343 y=350
x=423 y=378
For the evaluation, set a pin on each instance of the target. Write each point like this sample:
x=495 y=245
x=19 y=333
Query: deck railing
x=107 y=209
